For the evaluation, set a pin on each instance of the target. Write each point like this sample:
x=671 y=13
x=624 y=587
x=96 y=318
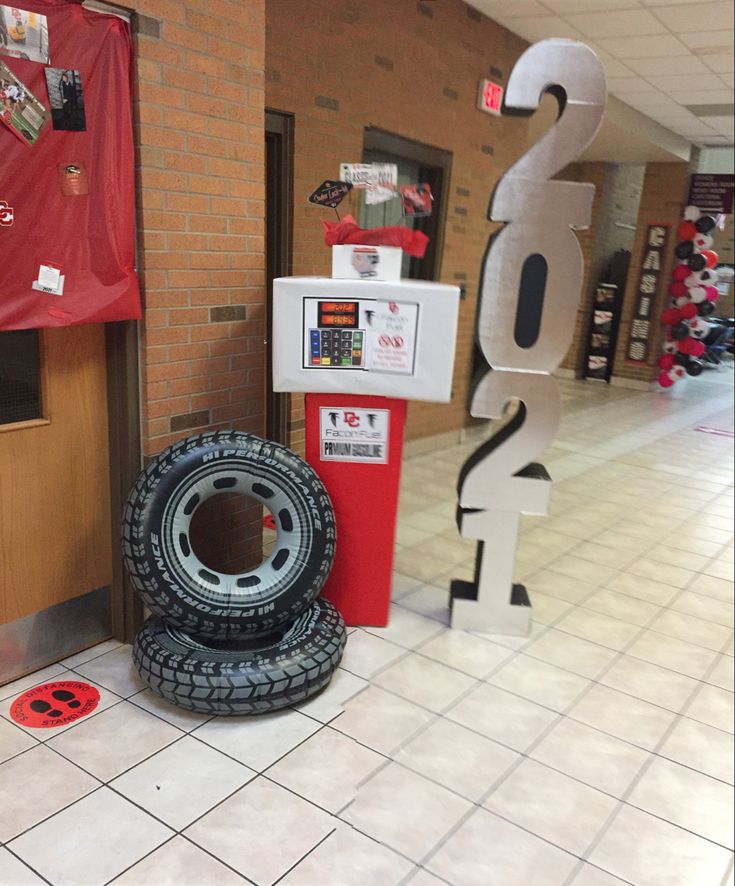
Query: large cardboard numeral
x=529 y=298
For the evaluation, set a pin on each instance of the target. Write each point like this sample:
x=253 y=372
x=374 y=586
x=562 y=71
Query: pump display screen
x=343 y=314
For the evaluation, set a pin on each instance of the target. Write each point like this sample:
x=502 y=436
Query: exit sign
x=490 y=98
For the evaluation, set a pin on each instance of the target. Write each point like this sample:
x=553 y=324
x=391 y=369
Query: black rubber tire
x=279 y=672
x=176 y=585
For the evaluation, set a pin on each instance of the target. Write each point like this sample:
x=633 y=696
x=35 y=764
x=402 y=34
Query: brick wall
x=199 y=101
x=411 y=69
x=614 y=216
x=662 y=200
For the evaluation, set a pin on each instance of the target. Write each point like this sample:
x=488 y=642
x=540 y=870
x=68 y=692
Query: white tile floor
x=598 y=751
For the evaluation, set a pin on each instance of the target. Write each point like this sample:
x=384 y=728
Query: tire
x=273 y=673
x=176 y=585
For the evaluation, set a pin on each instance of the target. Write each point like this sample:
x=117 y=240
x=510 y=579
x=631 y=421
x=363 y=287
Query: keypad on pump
x=336 y=347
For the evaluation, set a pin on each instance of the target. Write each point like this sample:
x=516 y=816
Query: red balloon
x=712 y=293
x=686 y=231
x=681 y=272
x=689 y=311
x=664 y=380
x=677 y=289
x=685 y=345
x=711 y=257
x=671 y=316
x=697 y=348
x=666 y=361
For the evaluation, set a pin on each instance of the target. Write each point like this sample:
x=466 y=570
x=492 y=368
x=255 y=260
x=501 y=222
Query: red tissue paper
x=347 y=231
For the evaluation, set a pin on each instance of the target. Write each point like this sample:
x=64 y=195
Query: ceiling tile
x=706 y=42
x=629 y=85
x=650 y=102
x=699 y=16
x=686 y=82
x=564 y=7
x=497 y=9
x=718 y=140
x=705 y=97
x=728 y=80
x=697 y=129
x=614 y=68
x=723 y=64
x=675 y=64
x=622 y=23
x=723 y=125
x=658 y=46
x=653 y=3
x=535 y=28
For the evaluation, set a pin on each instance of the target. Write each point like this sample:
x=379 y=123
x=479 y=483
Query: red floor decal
x=54 y=704
x=720 y=432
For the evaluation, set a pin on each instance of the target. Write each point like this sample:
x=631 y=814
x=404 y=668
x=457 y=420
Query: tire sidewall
x=177 y=593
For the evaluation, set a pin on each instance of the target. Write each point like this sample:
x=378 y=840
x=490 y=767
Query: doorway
x=55 y=511
x=278 y=240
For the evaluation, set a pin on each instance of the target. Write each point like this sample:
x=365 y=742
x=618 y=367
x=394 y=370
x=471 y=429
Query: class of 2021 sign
x=529 y=296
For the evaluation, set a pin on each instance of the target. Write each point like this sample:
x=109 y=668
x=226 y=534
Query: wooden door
x=55 y=539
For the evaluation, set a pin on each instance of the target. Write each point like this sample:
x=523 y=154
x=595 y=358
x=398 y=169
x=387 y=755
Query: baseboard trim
x=45 y=637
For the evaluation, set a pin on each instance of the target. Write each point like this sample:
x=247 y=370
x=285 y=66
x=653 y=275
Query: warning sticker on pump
x=356 y=435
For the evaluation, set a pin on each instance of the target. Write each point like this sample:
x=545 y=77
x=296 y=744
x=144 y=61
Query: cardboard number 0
x=528 y=304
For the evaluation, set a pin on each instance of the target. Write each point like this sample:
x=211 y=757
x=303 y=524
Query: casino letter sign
x=525 y=323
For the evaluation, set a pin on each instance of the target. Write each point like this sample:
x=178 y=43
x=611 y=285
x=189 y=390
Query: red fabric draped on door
x=90 y=237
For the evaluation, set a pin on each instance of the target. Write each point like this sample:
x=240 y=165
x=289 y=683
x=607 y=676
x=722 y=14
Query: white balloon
x=677 y=372
x=670 y=347
x=697 y=294
x=698 y=327
x=703 y=241
x=681 y=301
x=691 y=213
x=694 y=279
x=710 y=276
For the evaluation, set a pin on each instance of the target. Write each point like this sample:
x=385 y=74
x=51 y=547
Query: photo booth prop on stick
x=526 y=317
x=72 y=191
x=694 y=294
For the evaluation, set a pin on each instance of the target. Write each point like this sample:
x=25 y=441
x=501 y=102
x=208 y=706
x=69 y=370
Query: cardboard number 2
x=529 y=299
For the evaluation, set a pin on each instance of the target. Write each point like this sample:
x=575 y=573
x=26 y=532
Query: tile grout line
x=639 y=776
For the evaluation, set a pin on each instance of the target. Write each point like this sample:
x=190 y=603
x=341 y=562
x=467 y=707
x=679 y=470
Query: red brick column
x=199 y=114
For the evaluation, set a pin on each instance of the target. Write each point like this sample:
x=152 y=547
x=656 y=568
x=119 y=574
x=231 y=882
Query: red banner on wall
x=67 y=200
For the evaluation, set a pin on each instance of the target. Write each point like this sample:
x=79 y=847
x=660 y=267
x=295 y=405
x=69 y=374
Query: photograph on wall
x=416 y=200
x=605 y=296
x=596 y=367
x=20 y=110
x=23 y=34
x=599 y=342
x=603 y=322
x=66 y=99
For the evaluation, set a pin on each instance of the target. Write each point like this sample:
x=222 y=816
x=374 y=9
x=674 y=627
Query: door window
x=20 y=376
x=417 y=164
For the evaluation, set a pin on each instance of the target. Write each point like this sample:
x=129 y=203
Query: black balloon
x=704 y=225
x=694 y=367
x=680 y=331
x=681 y=359
x=706 y=308
x=684 y=249
x=697 y=262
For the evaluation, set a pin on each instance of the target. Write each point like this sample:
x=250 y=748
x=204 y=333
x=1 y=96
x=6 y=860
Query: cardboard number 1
x=529 y=298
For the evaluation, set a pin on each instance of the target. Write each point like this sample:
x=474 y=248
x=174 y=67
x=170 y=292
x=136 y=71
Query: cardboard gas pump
x=359 y=346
